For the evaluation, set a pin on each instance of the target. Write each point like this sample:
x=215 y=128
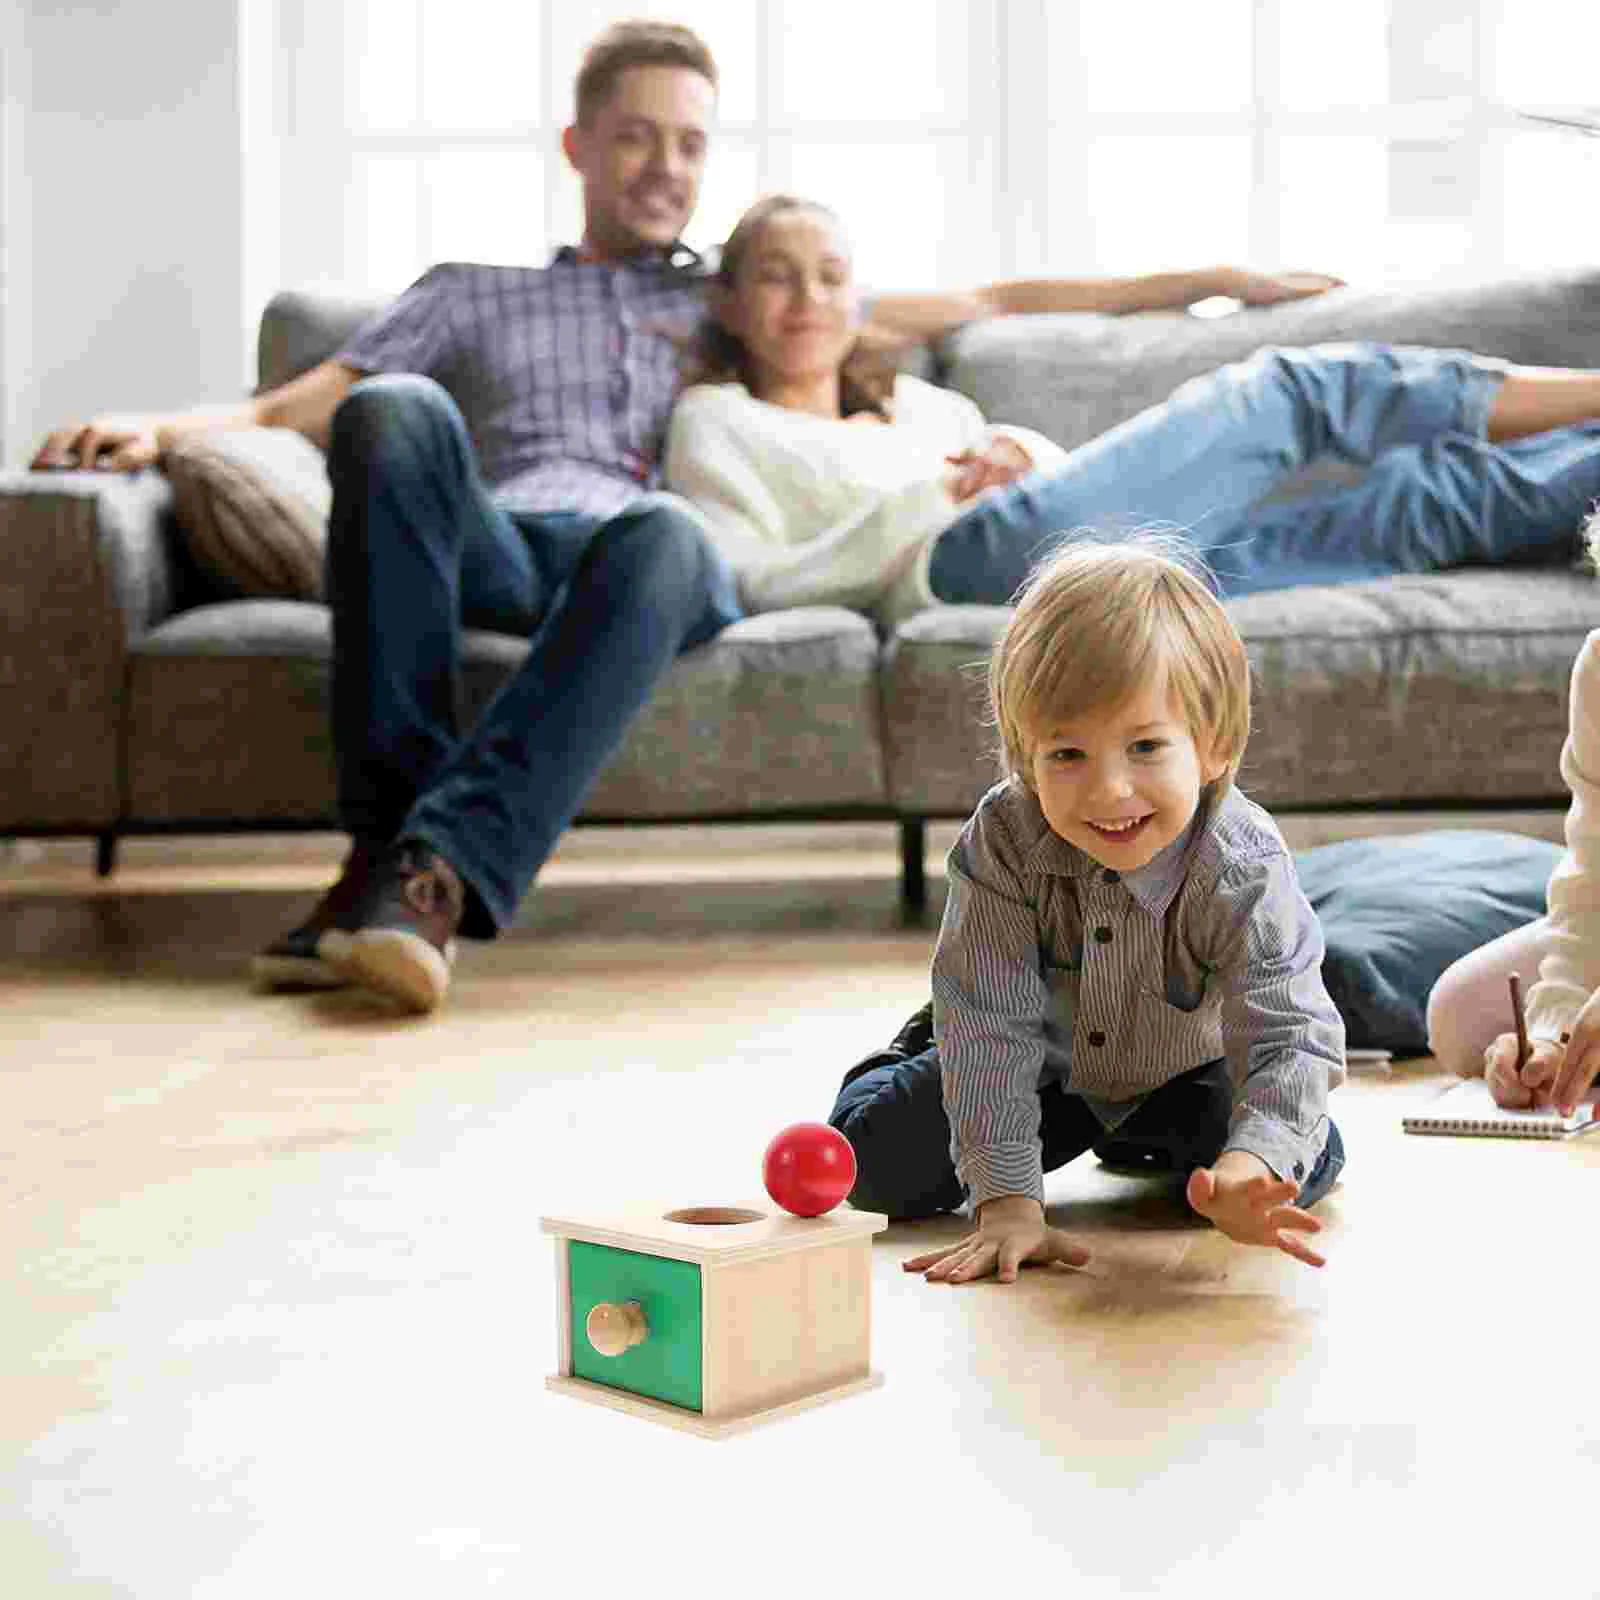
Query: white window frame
x=1023 y=189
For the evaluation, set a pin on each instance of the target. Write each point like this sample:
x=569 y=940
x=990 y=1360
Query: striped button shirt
x=565 y=374
x=1050 y=967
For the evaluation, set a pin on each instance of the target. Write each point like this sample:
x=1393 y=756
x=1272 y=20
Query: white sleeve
x=715 y=458
x=1570 y=970
x=708 y=462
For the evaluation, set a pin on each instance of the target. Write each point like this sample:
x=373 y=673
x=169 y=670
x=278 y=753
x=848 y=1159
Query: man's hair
x=866 y=381
x=1095 y=622
x=641 y=43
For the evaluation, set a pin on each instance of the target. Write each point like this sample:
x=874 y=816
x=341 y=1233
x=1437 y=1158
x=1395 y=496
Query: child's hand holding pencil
x=1521 y=1072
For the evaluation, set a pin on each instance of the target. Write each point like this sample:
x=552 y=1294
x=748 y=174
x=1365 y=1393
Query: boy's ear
x=1213 y=766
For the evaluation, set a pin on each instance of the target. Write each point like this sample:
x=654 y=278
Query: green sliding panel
x=667 y=1365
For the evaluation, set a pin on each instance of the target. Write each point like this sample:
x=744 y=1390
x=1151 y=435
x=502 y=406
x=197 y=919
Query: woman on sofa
x=828 y=479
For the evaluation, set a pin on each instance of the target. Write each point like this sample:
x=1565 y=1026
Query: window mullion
x=1266 y=139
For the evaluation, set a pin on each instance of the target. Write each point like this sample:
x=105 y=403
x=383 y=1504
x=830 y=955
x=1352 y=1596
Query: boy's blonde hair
x=1094 y=622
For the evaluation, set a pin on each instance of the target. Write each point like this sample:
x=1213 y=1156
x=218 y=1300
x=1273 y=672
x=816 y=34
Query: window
x=969 y=139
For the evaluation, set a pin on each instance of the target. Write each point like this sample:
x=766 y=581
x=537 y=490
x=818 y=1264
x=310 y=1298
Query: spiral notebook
x=1468 y=1108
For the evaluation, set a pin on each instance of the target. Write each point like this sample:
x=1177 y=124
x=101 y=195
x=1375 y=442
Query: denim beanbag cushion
x=1397 y=910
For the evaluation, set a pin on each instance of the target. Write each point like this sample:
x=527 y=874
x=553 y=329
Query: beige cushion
x=252 y=504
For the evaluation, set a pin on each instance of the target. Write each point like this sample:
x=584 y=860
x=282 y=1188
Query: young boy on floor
x=1126 y=963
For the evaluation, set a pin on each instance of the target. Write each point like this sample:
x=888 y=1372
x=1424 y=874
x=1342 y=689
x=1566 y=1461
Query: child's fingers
x=1294 y=1217
x=1500 y=1055
x=1505 y=1087
x=949 y=1262
x=976 y=1263
x=1063 y=1249
x=928 y=1257
x=1265 y=1185
x=1574 y=1080
x=1292 y=1245
x=1010 y=1258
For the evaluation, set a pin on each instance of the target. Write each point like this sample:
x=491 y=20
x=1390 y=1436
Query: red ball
x=809 y=1168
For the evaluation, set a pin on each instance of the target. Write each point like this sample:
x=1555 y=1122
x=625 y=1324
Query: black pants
x=891 y=1109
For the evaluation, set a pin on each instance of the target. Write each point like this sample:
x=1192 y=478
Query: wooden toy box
x=714 y=1318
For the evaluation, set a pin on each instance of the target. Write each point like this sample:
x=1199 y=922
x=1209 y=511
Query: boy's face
x=1123 y=784
x=641 y=157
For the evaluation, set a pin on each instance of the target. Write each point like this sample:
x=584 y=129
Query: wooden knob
x=615 y=1328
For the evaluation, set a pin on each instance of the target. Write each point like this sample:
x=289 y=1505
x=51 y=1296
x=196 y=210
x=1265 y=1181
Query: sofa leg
x=913 y=877
x=105 y=855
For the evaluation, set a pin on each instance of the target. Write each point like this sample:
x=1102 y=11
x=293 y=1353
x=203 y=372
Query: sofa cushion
x=778 y=715
x=1072 y=376
x=302 y=327
x=1436 y=689
x=252 y=505
x=1397 y=909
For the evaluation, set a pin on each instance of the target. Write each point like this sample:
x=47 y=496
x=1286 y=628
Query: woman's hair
x=1095 y=622
x=866 y=380
x=636 y=44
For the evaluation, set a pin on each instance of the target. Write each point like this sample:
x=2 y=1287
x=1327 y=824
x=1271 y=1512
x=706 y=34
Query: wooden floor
x=278 y=1312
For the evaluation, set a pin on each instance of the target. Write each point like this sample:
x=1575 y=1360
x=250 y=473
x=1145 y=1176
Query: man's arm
x=898 y=319
x=126 y=443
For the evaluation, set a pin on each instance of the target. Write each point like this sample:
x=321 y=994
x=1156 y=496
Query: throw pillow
x=1396 y=910
x=252 y=505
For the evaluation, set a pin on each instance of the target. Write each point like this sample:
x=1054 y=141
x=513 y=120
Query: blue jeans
x=891 y=1109
x=416 y=552
x=1437 y=493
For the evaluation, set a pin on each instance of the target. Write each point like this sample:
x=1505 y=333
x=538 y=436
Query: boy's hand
x=1011 y=1230
x=1519 y=1092
x=1247 y=1203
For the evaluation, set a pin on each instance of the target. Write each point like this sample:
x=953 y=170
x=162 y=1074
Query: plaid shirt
x=1051 y=967
x=564 y=374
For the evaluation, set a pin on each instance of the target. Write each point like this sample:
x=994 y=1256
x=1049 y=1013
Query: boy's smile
x=1122 y=784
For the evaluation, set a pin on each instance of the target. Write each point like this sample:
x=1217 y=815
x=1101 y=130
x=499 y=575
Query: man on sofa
x=492 y=444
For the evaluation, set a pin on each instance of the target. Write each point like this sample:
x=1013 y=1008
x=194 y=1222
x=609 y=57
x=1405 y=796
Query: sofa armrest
x=88 y=572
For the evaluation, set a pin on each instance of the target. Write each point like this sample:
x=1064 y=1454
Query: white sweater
x=814 y=511
x=1569 y=971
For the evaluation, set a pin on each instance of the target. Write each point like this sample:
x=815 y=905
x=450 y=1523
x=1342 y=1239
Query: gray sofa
x=134 y=698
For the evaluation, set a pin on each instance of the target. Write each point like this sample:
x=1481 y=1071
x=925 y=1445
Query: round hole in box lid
x=714 y=1216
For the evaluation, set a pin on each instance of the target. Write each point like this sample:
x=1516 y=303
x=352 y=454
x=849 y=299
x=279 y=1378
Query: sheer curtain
x=969 y=139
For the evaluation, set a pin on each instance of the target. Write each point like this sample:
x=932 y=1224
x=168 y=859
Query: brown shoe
x=404 y=943
x=307 y=956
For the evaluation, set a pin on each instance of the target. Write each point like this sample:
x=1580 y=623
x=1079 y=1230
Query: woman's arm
x=1570 y=970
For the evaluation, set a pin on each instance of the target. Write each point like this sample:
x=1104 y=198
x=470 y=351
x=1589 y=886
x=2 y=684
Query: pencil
x=1515 y=981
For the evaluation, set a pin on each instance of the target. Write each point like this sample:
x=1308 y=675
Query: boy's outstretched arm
x=1011 y=1229
x=1242 y=1198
